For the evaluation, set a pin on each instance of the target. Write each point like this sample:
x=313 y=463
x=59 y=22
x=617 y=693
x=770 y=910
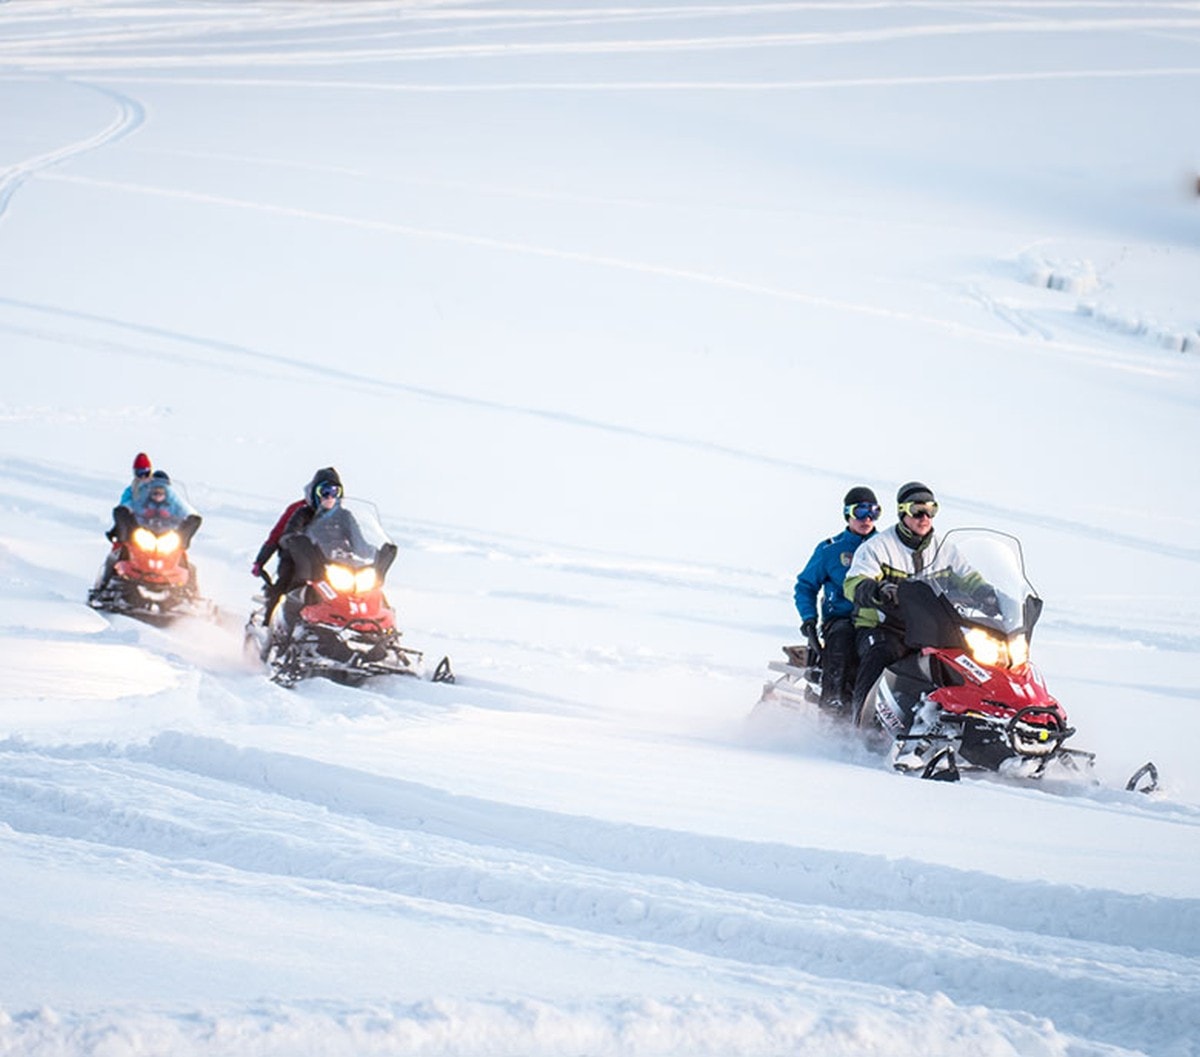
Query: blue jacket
x=827 y=569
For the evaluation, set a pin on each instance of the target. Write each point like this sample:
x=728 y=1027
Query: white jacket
x=885 y=556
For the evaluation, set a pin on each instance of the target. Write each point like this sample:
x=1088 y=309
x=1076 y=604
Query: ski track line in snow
x=129 y=118
x=470 y=541
x=815 y=84
x=217 y=15
x=85 y=58
x=1082 y=353
x=1173 y=641
x=73 y=515
x=229 y=20
x=372 y=384
x=1021 y=321
x=64 y=586
x=223 y=19
x=718 y=581
x=1125 y=964
x=363 y=383
x=1183 y=693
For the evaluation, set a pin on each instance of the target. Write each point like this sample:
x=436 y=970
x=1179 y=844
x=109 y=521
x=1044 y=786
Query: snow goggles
x=329 y=490
x=862 y=511
x=927 y=509
x=143 y=471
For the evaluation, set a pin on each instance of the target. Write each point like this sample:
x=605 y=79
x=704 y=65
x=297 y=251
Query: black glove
x=887 y=595
x=189 y=528
x=809 y=630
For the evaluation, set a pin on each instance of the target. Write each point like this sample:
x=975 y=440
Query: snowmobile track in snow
x=191 y=800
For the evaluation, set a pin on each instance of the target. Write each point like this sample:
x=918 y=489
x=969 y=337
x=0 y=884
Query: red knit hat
x=141 y=461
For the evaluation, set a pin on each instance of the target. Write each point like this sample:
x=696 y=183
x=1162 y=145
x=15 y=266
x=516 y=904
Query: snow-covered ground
x=605 y=306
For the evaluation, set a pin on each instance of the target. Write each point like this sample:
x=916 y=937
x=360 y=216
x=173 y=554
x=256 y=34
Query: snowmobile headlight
x=144 y=539
x=169 y=542
x=988 y=650
x=1018 y=650
x=348 y=581
x=340 y=578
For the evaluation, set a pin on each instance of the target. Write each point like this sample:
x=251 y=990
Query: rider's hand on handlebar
x=887 y=594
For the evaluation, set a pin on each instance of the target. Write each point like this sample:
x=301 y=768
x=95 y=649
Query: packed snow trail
x=297 y=824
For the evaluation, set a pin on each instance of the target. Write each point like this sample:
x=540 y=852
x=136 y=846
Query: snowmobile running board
x=789 y=692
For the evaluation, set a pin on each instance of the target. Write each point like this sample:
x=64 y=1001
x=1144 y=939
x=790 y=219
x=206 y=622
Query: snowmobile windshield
x=161 y=507
x=981 y=573
x=349 y=534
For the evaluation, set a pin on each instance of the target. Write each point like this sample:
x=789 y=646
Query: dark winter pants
x=298 y=561
x=285 y=571
x=123 y=524
x=877 y=648
x=839 y=662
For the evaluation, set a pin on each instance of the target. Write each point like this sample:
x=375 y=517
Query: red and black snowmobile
x=147 y=573
x=336 y=622
x=967 y=697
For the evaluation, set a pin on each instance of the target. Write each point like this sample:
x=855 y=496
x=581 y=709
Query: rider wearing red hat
x=142 y=469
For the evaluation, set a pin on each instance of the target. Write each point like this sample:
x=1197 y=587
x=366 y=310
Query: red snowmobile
x=967 y=697
x=147 y=573
x=336 y=622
